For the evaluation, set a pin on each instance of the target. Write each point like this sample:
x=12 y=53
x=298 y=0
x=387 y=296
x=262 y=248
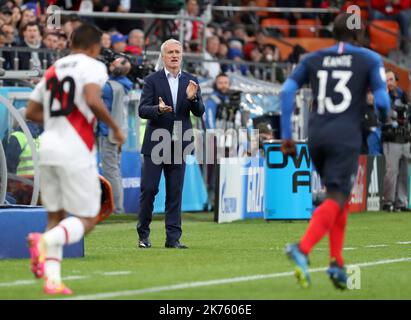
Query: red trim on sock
x=66 y=234
x=321 y=222
x=53 y=259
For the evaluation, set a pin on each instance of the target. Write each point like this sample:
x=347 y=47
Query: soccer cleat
x=301 y=261
x=337 y=275
x=144 y=243
x=37 y=250
x=52 y=288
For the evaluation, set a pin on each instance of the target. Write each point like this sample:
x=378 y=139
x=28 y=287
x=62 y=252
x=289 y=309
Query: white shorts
x=76 y=190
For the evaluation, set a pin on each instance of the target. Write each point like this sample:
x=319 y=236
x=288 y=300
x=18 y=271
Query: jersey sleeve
x=96 y=73
x=300 y=73
x=37 y=94
x=379 y=86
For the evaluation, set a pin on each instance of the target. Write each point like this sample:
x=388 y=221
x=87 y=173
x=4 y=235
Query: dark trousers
x=150 y=180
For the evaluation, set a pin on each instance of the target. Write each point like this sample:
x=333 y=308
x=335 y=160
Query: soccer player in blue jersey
x=339 y=77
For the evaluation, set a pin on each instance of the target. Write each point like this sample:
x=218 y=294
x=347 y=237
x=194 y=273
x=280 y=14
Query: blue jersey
x=339 y=77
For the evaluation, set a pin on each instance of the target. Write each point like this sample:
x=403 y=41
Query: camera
x=139 y=67
x=398 y=130
x=226 y=111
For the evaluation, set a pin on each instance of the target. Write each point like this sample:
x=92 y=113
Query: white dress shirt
x=173 y=83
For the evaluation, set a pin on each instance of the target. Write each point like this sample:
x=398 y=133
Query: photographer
x=396 y=144
x=219 y=96
x=115 y=96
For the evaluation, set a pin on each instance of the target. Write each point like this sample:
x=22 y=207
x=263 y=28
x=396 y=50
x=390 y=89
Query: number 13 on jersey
x=324 y=100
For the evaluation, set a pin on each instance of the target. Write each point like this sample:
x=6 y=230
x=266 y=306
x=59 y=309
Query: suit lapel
x=168 y=99
x=182 y=87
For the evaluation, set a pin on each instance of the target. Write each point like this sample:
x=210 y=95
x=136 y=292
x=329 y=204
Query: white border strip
x=188 y=285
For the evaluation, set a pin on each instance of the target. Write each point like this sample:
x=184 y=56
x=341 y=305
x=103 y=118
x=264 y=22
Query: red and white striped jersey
x=68 y=137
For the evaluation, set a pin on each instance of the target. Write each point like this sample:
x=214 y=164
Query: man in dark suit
x=168 y=97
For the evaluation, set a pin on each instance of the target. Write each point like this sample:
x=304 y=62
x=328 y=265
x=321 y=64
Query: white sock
x=53 y=263
x=68 y=231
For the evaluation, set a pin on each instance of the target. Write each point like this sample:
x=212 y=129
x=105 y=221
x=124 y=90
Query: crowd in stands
x=234 y=35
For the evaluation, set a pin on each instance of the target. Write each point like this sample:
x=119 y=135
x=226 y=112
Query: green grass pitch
x=239 y=260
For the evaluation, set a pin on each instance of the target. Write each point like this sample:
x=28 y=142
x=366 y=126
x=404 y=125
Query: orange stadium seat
x=380 y=40
x=262 y=3
x=307 y=27
x=281 y=24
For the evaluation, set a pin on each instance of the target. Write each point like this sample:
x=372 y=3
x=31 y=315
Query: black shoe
x=144 y=243
x=176 y=245
x=388 y=207
x=402 y=209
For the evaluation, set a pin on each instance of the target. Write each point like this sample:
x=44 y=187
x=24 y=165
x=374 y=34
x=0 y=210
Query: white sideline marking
x=349 y=248
x=30 y=282
x=116 y=273
x=404 y=242
x=376 y=246
x=187 y=285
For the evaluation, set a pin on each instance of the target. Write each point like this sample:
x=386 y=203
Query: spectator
x=192 y=29
x=240 y=34
x=19 y=153
x=118 y=42
x=31 y=35
x=16 y=17
x=394 y=10
x=114 y=95
x=259 y=41
x=9 y=32
x=135 y=42
x=212 y=69
x=257 y=56
x=50 y=40
x=27 y=16
x=235 y=53
x=218 y=97
x=6 y=14
x=106 y=40
x=62 y=41
x=222 y=53
x=396 y=146
x=372 y=143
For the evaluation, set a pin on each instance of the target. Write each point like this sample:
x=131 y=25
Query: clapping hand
x=162 y=107
x=191 y=90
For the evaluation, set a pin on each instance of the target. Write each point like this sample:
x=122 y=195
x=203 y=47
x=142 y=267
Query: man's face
x=61 y=43
x=32 y=34
x=136 y=39
x=28 y=16
x=223 y=84
x=51 y=41
x=119 y=47
x=213 y=46
x=192 y=7
x=172 y=56
x=391 y=82
x=9 y=32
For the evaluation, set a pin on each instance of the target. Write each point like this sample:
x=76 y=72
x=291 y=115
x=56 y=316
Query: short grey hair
x=167 y=42
x=136 y=31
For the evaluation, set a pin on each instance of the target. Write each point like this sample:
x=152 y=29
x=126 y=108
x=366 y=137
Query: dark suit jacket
x=24 y=57
x=155 y=86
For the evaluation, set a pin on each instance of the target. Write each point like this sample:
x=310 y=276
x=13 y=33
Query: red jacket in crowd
x=390 y=7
